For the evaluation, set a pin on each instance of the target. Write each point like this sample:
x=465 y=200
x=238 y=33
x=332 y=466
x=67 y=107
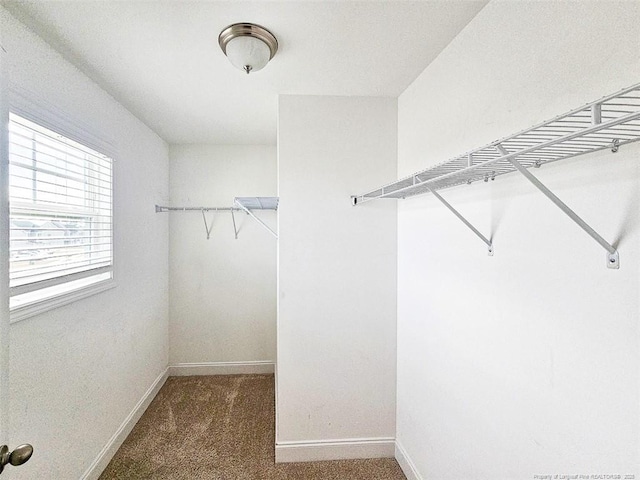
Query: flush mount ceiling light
x=248 y=46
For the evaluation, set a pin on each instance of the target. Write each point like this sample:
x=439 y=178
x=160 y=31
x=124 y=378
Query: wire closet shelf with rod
x=240 y=204
x=608 y=123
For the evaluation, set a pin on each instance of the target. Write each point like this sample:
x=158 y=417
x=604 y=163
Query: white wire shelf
x=240 y=203
x=610 y=122
x=258 y=203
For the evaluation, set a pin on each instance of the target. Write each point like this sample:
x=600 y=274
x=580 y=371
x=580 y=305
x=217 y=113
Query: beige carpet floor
x=222 y=428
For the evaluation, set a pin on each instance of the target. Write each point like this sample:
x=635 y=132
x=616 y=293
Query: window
x=60 y=194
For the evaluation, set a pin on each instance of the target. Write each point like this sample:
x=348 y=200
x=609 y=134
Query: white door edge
x=4 y=245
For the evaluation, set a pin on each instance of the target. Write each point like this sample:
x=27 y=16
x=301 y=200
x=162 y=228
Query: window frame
x=39 y=111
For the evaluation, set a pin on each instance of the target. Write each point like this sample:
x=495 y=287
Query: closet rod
x=160 y=208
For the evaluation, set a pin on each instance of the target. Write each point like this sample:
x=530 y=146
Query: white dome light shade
x=248 y=46
x=248 y=53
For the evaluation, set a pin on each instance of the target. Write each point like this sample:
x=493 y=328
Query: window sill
x=36 y=308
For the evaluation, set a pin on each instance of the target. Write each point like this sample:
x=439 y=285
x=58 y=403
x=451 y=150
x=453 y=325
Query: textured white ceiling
x=162 y=61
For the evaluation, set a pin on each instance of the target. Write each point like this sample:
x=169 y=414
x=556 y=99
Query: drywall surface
x=79 y=370
x=525 y=363
x=337 y=272
x=222 y=290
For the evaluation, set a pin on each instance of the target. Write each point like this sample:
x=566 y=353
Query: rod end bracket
x=613 y=260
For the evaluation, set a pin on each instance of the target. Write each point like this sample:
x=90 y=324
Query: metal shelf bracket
x=613 y=258
x=465 y=221
x=250 y=213
x=235 y=229
x=206 y=226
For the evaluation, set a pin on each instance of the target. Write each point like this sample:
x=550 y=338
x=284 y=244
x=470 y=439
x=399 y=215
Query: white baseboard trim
x=351 y=448
x=106 y=454
x=407 y=466
x=222 y=368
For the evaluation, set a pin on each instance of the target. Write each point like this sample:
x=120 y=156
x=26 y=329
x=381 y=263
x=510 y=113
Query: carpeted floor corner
x=222 y=428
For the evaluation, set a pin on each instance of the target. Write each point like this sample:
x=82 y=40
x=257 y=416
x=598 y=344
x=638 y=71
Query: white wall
x=222 y=290
x=527 y=362
x=79 y=370
x=337 y=278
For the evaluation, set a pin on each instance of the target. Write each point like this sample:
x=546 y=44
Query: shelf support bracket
x=250 y=213
x=206 y=226
x=613 y=259
x=464 y=220
x=235 y=229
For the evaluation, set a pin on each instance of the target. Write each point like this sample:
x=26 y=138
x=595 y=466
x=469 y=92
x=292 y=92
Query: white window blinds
x=60 y=212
